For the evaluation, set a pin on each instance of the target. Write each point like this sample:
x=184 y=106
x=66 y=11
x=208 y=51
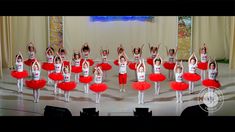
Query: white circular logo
x=212 y=98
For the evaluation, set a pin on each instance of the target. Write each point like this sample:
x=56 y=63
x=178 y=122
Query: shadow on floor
x=81 y=99
x=227 y=85
x=12 y=97
x=112 y=97
x=161 y=99
x=15 y=91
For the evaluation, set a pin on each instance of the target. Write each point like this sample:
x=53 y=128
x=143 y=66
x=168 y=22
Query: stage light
x=52 y=111
x=142 y=112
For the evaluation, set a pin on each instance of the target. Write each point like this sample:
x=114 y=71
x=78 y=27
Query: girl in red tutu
x=211 y=83
x=19 y=73
x=62 y=52
x=67 y=85
x=85 y=78
x=192 y=76
x=137 y=52
x=153 y=52
x=105 y=66
x=178 y=85
x=156 y=76
x=141 y=85
x=36 y=83
x=120 y=49
x=31 y=52
x=76 y=67
x=85 y=54
x=49 y=65
x=203 y=64
x=170 y=64
x=122 y=76
x=57 y=76
x=98 y=86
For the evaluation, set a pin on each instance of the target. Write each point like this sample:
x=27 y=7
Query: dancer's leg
x=139 y=97
x=21 y=85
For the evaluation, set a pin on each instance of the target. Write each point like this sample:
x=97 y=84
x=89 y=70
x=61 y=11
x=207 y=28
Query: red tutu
x=202 y=66
x=178 y=86
x=35 y=84
x=56 y=76
x=105 y=66
x=98 y=87
x=91 y=62
x=132 y=66
x=141 y=86
x=116 y=62
x=211 y=83
x=66 y=63
x=76 y=69
x=150 y=61
x=193 y=77
x=19 y=75
x=157 y=77
x=83 y=79
x=29 y=62
x=67 y=86
x=169 y=66
x=48 y=66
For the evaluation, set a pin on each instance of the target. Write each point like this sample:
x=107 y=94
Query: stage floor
x=113 y=103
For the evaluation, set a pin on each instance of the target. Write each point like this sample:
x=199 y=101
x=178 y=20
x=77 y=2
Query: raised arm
x=190 y=59
x=149 y=47
x=144 y=65
x=167 y=52
x=195 y=58
x=176 y=50
x=176 y=64
x=182 y=66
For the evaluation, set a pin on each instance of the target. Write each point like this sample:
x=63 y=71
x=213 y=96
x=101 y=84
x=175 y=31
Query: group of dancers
x=60 y=68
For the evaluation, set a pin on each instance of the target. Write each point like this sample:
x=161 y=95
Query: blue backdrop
x=120 y=18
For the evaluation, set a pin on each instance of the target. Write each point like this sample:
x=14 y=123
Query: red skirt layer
x=101 y=87
x=105 y=66
x=150 y=61
x=19 y=75
x=35 y=84
x=193 y=77
x=29 y=62
x=116 y=62
x=66 y=63
x=83 y=79
x=202 y=66
x=132 y=65
x=67 y=86
x=211 y=83
x=141 y=86
x=56 y=76
x=48 y=66
x=179 y=86
x=157 y=77
x=91 y=62
x=169 y=66
x=76 y=69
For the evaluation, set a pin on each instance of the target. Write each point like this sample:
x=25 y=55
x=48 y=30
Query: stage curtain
x=232 y=44
x=5 y=42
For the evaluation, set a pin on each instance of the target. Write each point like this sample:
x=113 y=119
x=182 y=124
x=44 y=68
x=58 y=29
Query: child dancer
x=105 y=66
x=36 y=83
x=178 y=85
x=31 y=52
x=122 y=76
x=62 y=52
x=157 y=77
x=192 y=76
x=85 y=78
x=120 y=49
x=98 y=86
x=85 y=54
x=49 y=66
x=170 y=64
x=141 y=85
x=57 y=76
x=19 y=73
x=153 y=52
x=76 y=68
x=203 y=64
x=211 y=83
x=67 y=85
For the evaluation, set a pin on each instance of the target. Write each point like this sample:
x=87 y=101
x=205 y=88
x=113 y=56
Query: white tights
x=97 y=100
x=20 y=85
x=191 y=87
x=210 y=94
x=66 y=95
x=49 y=81
x=36 y=95
x=203 y=75
x=86 y=88
x=140 y=97
x=76 y=77
x=157 y=88
x=179 y=97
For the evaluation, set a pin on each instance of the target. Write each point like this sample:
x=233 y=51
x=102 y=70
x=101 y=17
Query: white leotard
x=171 y=59
x=212 y=74
x=85 y=55
x=153 y=54
x=192 y=68
x=122 y=68
x=98 y=79
x=85 y=72
x=141 y=76
x=203 y=58
x=50 y=58
x=19 y=66
x=57 y=68
x=178 y=77
x=77 y=62
x=36 y=75
x=104 y=58
x=66 y=77
x=31 y=55
x=136 y=57
x=157 y=69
